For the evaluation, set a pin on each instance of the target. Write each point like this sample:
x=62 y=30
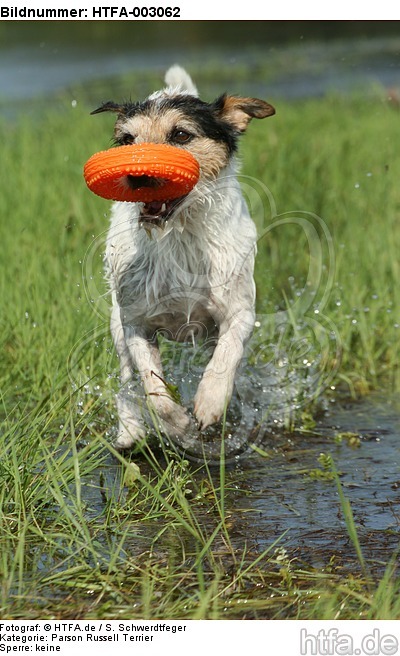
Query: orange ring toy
x=142 y=173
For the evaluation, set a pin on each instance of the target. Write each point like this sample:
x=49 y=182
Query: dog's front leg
x=145 y=356
x=131 y=427
x=216 y=386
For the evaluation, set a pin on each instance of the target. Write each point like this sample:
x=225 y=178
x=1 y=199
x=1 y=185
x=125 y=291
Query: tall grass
x=83 y=525
x=337 y=159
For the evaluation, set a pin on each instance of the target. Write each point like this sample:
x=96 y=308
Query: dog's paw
x=211 y=398
x=129 y=433
x=125 y=440
x=130 y=429
x=174 y=419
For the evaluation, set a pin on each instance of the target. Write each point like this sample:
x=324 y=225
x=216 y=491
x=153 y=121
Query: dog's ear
x=110 y=106
x=177 y=78
x=239 y=111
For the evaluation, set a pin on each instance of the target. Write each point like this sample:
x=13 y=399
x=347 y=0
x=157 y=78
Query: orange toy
x=142 y=173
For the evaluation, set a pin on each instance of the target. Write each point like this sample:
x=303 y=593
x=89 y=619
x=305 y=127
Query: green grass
x=161 y=540
x=337 y=159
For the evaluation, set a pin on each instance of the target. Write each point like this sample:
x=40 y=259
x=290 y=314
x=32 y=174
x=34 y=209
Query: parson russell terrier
x=182 y=267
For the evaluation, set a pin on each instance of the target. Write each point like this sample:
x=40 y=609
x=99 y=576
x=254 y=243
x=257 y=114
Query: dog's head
x=177 y=116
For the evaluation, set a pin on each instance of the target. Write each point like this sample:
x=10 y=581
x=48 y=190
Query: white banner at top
x=184 y=10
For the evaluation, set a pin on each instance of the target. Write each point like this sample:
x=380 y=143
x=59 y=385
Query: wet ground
x=289 y=494
x=286 y=492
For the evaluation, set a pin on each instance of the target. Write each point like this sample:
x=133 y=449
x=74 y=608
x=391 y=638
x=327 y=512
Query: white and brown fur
x=185 y=267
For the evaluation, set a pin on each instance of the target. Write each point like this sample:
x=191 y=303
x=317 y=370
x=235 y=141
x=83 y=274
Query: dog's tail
x=177 y=78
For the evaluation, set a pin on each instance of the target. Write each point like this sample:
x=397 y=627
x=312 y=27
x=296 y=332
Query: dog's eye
x=126 y=139
x=181 y=136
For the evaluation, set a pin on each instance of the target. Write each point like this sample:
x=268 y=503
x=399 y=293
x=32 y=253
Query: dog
x=182 y=267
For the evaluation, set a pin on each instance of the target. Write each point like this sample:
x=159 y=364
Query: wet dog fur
x=184 y=267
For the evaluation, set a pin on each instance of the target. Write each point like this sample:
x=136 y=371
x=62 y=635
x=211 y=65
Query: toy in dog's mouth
x=158 y=175
x=155 y=212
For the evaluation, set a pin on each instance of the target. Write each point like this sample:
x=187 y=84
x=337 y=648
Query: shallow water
x=285 y=495
x=278 y=488
x=32 y=69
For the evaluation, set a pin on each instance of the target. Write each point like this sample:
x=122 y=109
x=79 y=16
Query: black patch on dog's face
x=204 y=115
